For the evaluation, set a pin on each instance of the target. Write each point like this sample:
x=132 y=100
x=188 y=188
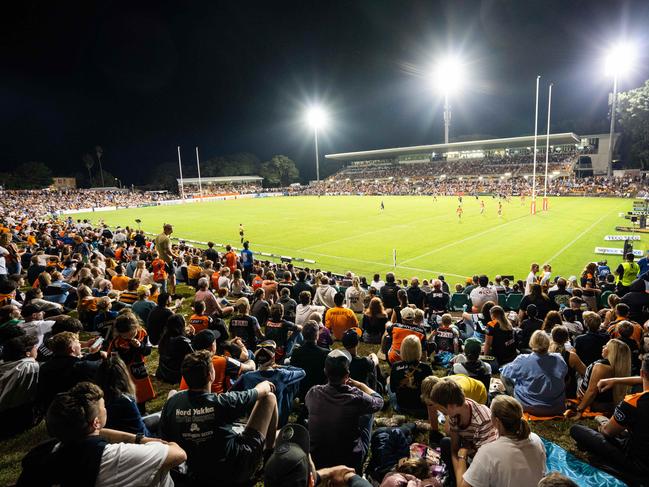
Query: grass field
x=344 y=233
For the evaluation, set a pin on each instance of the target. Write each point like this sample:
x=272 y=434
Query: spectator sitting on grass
x=341 y=415
x=469 y=423
x=469 y=363
x=339 y=319
x=406 y=377
x=311 y=358
x=202 y=423
x=374 y=320
x=174 y=346
x=90 y=454
x=516 y=457
x=622 y=441
x=539 y=378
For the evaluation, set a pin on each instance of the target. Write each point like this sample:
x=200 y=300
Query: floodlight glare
x=449 y=75
x=620 y=59
x=316 y=117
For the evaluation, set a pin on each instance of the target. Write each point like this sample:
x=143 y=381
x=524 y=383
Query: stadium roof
x=222 y=179
x=506 y=143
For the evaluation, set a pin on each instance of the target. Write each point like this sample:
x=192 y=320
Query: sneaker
x=601 y=420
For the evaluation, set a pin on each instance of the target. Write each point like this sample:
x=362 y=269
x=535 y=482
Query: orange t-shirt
x=231 y=261
x=339 y=320
x=120 y=283
x=159 y=272
x=399 y=332
x=215 y=280
x=193 y=271
x=199 y=322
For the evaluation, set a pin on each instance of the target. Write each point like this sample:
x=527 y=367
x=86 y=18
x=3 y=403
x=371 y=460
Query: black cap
x=204 y=339
x=289 y=464
x=351 y=338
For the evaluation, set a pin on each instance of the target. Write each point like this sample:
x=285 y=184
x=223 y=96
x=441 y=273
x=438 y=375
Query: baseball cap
x=351 y=337
x=289 y=464
x=204 y=339
x=337 y=363
x=408 y=313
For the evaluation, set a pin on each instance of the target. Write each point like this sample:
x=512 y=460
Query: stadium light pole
x=198 y=165
x=536 y=128
x=180 y=167
x=618 y=62
x=547 y=152
x=447 y=78
x=316 y=117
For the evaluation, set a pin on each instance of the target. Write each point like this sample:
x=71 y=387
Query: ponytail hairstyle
x=498 y=314
x=510 y=414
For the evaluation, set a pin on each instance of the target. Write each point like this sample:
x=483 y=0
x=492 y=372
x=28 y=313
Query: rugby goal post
x=546 y=204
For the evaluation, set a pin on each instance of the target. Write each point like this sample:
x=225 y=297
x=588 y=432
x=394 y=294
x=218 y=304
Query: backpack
x=387 y=446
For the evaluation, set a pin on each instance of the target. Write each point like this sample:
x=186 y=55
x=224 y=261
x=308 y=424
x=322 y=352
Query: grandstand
x=512 y=156
x=211 y=186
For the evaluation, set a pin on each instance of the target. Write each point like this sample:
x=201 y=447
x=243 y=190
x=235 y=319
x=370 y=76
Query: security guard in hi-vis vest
x=626 y=273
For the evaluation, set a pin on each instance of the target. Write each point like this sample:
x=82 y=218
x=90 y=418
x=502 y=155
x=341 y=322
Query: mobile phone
x=97 y=342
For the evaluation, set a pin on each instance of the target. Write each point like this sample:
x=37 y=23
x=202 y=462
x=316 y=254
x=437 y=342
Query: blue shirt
x=287 y=384
x=246 y=258
x=644 y=265
x=540 y=382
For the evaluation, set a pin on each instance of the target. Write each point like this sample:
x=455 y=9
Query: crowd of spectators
x=272 y=376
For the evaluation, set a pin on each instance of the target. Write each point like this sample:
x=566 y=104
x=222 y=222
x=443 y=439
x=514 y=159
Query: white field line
x=361 y=261
x=574 y=240
x=456 y=242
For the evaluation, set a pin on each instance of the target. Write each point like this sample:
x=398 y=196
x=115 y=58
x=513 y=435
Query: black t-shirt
x=405 y=382
x=172 y=353
x=362 y=370
x=156 y=322
x=389 y=295
x=445 y=339
x=374 y=327
x=278 y=331
x=543 y=306
x=589 y=346
x=633 y=414
x=244 y=327
x=503 y=346
x=638 y=301
x=437 y=301
x=201 y=423
x=528 y=327
x=311 y=358
x=559 y=297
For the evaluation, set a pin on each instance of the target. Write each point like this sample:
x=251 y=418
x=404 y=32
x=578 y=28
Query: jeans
x=446 y=456
x=610 y=451
x=365 y=426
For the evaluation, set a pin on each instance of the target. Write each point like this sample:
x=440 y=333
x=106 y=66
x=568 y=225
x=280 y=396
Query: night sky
x=140 y=78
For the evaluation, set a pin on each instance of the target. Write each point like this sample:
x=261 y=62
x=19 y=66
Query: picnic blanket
x=585 y=475
x=586 y=413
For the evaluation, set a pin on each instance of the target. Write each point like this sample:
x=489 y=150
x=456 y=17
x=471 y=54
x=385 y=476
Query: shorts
x=246 y=454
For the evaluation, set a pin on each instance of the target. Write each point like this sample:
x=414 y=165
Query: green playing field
x=344 y=233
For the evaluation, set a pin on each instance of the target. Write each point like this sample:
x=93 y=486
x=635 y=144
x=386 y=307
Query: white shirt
x=377 y=284
x=37 y=328
x=546 y=277
x=3 y=261
x=134 y=465
x=480 y=295
x=302 y=312
x=531 y=279
x=354 y=299
x=508 y=463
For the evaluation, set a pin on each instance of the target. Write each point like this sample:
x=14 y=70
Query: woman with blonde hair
x=499 y=342
x=539 y=378
x=615 y=362
x=406 y=377
x=355 y=296
x=560 y=336
x=516 y=458
x=374 y=321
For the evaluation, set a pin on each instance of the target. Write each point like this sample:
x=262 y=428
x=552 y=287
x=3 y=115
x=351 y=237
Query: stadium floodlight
x=619 y=60
x=317 y=119
x=448 y=77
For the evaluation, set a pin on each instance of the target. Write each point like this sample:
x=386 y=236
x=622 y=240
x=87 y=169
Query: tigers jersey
x=200 y=322
x=399 y=332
